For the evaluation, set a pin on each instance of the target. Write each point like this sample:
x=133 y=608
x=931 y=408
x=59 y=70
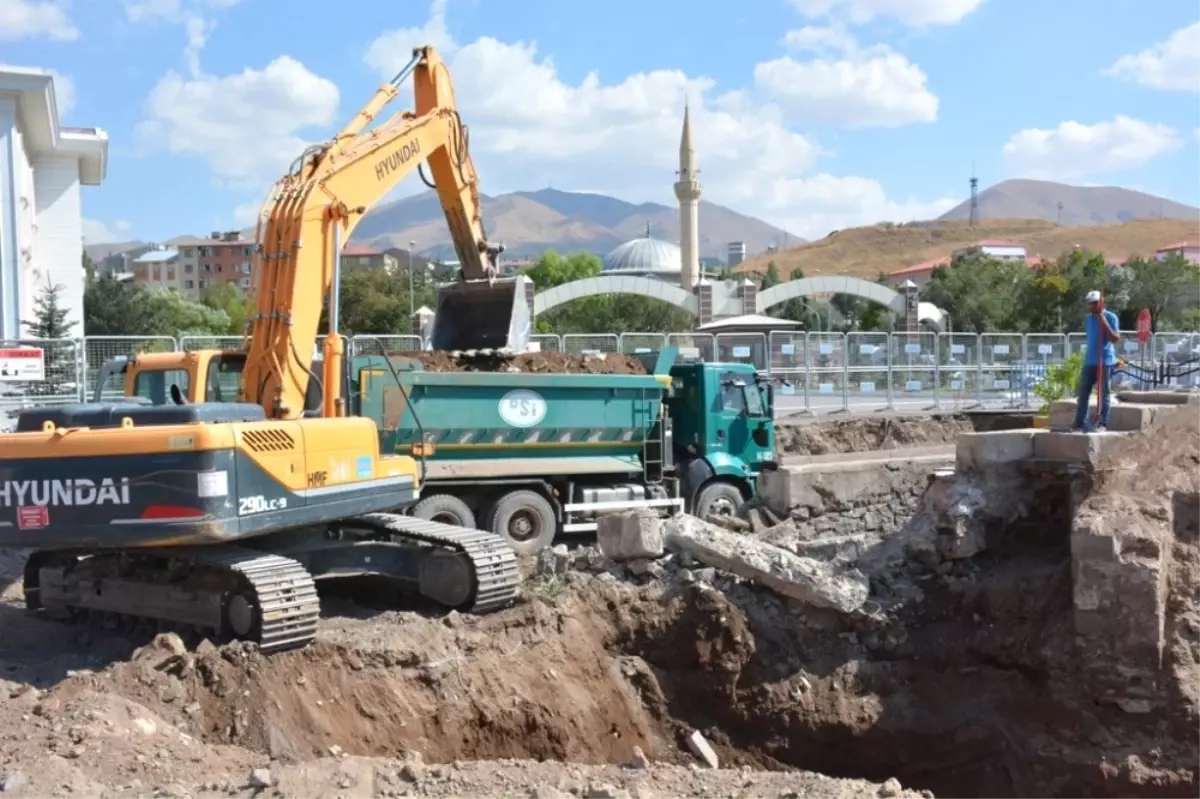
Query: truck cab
x=722 y=431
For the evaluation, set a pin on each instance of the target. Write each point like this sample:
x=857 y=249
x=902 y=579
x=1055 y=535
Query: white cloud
x=914 y=13
x=1173 y=65
x=30 y=19
x=246 y=214
x=64 y=91
x=1074 y=150
x=246 y=125
x=847 y=85
x=143 y=10
x=96 y=232
x=530 y=129
x=830 y=203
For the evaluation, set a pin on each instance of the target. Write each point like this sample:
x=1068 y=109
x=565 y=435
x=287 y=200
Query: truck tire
x=445 y=508
x=525 y=520
x=718 y=499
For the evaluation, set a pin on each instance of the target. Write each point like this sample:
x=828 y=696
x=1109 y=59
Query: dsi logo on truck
x=71 y=492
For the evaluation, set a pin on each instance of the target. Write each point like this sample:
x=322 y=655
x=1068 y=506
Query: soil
x=867 y=433
x=608 y=363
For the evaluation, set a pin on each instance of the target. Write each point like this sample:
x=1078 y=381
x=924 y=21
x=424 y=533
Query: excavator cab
x=488 y=314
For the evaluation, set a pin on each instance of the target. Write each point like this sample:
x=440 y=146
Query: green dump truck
x=532 y=456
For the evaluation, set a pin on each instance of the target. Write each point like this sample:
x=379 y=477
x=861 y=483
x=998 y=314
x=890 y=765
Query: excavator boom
x=312 y=212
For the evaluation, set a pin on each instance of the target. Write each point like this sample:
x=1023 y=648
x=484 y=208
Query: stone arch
x=614 y=284
x=830 y=284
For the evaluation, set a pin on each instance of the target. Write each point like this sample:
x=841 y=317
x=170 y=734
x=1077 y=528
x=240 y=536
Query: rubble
x=803 y=579
x=630 y=535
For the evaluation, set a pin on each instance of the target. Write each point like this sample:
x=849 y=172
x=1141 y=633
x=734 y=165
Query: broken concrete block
x=630 y=535
x=1082 y=448
x=803 y=579
x=1159 y=397
x=701 y=749
x=980 y=451
x=1129 y=417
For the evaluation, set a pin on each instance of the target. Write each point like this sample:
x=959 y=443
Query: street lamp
x=412 y=311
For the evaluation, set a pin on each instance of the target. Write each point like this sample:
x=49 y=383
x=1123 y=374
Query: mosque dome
x=645 y=256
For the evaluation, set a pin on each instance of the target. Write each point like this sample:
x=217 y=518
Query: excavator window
x=225 y=378
x=155 y=385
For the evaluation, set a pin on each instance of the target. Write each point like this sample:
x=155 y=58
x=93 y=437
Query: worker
x=1101 y=325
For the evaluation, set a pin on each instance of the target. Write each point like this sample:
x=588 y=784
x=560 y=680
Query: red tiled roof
x=925 y=266
x=1179 y=245
x=358 y=249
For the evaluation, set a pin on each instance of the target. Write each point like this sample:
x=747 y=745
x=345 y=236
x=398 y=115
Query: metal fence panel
x=549 y=342
x=1176 y=347
x=99 y=350
x=958 y=370
x=695 y=346
x=385 y=345
x=1042 y=350
x=748 y=348
x=868 y=366
x=1002 y=378
x=788 y=352
x=194 y=343
x=640 y=343
x=63 y=366
x=914 y=368
x=591 y=343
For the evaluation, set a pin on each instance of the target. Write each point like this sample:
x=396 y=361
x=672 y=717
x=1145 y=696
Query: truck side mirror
x=771 y=399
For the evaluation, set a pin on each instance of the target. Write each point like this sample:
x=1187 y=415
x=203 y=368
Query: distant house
x=918 y=273
x=993 y=248
x=367 y=257
x=1188 y=249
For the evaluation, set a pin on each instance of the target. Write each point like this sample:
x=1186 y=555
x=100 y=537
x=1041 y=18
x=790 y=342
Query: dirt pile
x=597 y=668
x=821 y=435
x=607 y=363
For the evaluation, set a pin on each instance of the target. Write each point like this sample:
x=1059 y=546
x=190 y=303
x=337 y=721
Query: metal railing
x=815 y=372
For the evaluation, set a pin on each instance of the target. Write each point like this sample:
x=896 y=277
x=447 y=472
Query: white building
x=1188 y=250
x=42 y=165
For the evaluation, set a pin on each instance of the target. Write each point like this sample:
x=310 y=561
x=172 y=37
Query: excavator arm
x=312 y=211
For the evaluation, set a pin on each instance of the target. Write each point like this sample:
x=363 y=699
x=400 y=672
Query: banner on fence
x=22 y=364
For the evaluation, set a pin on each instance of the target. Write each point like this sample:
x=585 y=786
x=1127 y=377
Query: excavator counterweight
x=483 y=315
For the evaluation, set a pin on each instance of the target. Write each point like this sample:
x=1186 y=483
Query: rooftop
x=996 y=243
x=924 y=266
x=157 y=257
x=1179 y=245
x=37 y=110
x=359 y=249
x=645 y=256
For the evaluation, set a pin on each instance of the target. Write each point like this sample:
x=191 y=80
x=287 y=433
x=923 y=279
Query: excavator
x=219 y=513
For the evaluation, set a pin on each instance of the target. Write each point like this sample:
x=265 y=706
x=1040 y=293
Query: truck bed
x=497 y=468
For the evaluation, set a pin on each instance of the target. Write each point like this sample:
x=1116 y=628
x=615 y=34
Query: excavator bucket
x=483 y=315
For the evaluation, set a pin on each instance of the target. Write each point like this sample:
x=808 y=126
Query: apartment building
x=222 y=257
x=361 y=255
x=156 y=268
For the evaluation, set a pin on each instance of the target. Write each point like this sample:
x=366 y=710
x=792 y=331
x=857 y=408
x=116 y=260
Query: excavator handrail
x=313 y=209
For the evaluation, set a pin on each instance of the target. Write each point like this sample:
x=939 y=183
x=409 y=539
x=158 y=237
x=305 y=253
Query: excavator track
x=496 y=579
x=222 y=590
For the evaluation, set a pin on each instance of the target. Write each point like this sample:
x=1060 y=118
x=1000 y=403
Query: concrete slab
x=822 y=484
x=1082 y=448
x=1160 y=397
x=978 y=451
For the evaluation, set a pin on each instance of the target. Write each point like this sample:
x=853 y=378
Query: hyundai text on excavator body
x=220 y=514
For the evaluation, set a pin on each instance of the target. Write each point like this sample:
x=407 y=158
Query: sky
x=813 y=115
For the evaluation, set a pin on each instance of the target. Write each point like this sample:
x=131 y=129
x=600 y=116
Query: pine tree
x=50 y=317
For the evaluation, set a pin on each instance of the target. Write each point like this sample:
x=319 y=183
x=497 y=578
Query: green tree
x=113 y=307
x=981 y=294
x=797 y=309
x=225 y=296
x=49 y=315
x=1167 y=287
x=89 y=268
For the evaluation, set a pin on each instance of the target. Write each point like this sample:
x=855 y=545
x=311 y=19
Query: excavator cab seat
x=483 y=315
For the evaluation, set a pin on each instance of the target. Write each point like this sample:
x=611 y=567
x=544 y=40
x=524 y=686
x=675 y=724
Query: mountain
x=1081 y=205
x=529 y=222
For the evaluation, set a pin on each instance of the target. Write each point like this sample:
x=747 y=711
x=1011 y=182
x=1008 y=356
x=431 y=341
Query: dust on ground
x=605 y=363
x=821 y=436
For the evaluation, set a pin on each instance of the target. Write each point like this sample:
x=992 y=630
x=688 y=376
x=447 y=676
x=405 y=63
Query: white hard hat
x=1092 y=296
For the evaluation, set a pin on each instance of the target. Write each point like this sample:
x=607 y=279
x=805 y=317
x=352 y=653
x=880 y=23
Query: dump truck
x=531 y=456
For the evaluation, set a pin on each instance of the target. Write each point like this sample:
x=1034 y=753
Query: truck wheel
x=445 y=508
x=525 y=520
x=718 y=499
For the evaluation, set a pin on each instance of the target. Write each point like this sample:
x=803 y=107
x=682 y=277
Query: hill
x=1081 y=205
x=529 y=222
x=865 y=252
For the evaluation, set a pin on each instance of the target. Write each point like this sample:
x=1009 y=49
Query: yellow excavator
x=220 y=515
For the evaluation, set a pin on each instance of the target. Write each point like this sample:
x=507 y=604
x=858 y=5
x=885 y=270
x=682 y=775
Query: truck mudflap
x=224 y=591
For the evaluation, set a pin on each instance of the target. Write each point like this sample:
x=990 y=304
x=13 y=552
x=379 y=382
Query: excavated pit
x=968 y=686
